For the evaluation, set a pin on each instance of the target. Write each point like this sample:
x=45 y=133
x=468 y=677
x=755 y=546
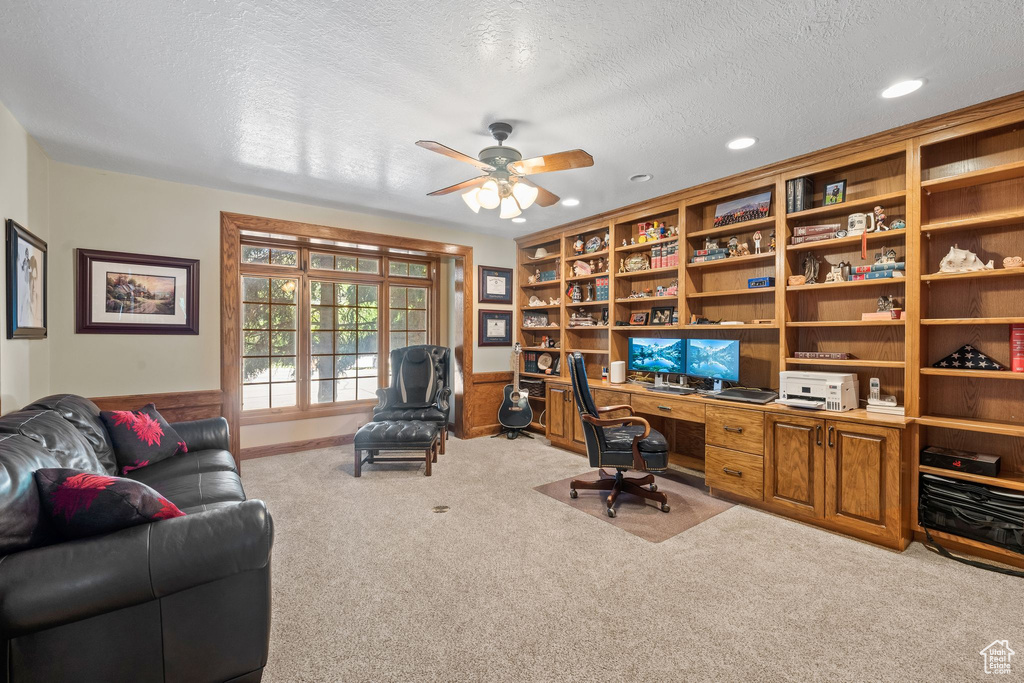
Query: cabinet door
x=556 y=413
x=573 y=415
x=794 y=464
x=862 y=477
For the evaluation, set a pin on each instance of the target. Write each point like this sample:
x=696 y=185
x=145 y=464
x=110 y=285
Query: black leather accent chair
x=420 y=388
x=183 y=599
x=622 y=443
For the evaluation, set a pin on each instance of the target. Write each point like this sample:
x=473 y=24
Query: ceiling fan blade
x=563 y=161
x=449 y=152
x=544 y=197
x=464 y=185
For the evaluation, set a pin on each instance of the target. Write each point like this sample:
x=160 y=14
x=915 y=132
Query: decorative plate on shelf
x=544 y=361
x=593 y=244
x=637 y=262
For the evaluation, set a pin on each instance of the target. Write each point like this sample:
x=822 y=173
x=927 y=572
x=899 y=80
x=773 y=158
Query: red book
x=1017 y=347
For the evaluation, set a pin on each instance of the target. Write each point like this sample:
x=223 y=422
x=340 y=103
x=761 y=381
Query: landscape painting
x=140 y=294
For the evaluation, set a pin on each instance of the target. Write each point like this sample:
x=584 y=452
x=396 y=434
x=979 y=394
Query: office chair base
x=618 y=483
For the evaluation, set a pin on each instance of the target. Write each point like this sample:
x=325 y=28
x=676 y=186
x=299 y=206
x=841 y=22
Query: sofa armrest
x=387 y=398
x=443 y=398
x=58 y=584
x=200 y=435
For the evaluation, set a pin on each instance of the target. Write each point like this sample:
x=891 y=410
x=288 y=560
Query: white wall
x=24 y=363
x=97 y=209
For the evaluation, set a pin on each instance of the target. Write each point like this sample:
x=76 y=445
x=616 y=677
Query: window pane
x=346 y=318
x=368 y=295
x=255 y=396
x=346 y=295
x=321 y=342
x=417 y=338
x=417 y=297
x=369 y=265
x=282 y=395
x=255 y=343
x=283 y=290
x=367 y=318
x=255 y=370
x=398 y=340
x=345 y=342
x=418 y=270
x=417 y=320
x=321 y=367
x=284 y=257
x=321 y=318
x=347 y=263
x=398 y=319
x=344 y=366
x=322 y=261
x=255 y=254
x=367 y=387
x=397 y=299
x=346 y=389
x=255 y=316
x=282 y=343
x=255 y=289
x=366 y=364
x=282 y=317
x=367 y=342
x=321 y=392
x=398 y=268
x=283 y=370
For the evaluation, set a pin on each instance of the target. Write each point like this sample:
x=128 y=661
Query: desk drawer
x=606 y=397
x=669 y=406
x=734 y=472
x=738 y=430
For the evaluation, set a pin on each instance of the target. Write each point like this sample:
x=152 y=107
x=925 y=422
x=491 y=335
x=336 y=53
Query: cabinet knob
x=734 y=473
x=734 y=430
x=668 y=408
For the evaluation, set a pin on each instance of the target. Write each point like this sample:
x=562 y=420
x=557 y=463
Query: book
x=708 y=252
x=710 y=257
x=813 y=238
x=790 y=192
x=875 y=267
x=803 y=230
x=876 y=275
x=887 y=409
x=1017 y=347
x=804 y=195
x=822 y=355
x=894 y=314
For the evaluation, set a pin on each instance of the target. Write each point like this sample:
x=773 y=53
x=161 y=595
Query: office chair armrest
x=638 y=461
x=608 y=409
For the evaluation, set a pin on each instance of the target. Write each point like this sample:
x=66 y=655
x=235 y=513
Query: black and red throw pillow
x=141 y=437
x=84 y=504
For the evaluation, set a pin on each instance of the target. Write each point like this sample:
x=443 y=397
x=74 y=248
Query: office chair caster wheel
x=573 y=493
x=664 y=507
x=654 y=487
x=611 y=512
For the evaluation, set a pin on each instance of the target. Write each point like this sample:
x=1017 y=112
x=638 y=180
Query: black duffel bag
x=983 y=513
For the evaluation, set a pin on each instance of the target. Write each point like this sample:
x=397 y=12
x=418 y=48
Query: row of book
x=799 y=194
x=822 y=355
x=665 y=255
x=701 y=255
x=601 y=289
x=814 y=233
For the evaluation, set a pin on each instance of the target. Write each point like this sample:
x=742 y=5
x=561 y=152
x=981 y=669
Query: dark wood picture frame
x=669 y=310
x=639 y=318
x=842 y=193
x=84 y=323
x=14 y=330
x=484 y=316
x=483 y=272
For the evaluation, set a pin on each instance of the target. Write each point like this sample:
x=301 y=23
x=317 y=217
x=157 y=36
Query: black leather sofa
x=183 y=599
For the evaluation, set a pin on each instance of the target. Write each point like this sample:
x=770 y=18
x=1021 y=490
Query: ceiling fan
x=504 y=183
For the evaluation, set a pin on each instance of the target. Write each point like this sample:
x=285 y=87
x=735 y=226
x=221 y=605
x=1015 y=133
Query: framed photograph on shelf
x=495 y=328
x=26 y=284
x=835 y=193
x=639 y=318
x=743 y=209
x=538 y=319
x=662 y=315
x=495 y=285
x=120 y=293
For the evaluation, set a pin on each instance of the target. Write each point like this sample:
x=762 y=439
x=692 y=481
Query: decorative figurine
x=577 y=293
x=581 y=268
x=734 y=244
x=710 y=243
x=622 y=265
x=607 y=240
x=531 y=279
x=771 y=243
x=743 y=250
x=757 y=242
x=590 y=292
x=632 y=241
x=623 y=241
x=601 y=267
x=880 y=219
x=659 y=291
x=885 y=256
x=536 y=301
x=1013 y=262
x=554 y=301
x=962 y=261
x=886 y=303
x=578 y=245
x=810 y=265
x=898 y=224
x=835 y=273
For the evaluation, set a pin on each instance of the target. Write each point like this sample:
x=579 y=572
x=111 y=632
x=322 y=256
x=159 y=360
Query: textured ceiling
x=322 y=101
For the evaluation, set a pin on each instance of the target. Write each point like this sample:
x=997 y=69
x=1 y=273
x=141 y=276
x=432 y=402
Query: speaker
x=618 y=373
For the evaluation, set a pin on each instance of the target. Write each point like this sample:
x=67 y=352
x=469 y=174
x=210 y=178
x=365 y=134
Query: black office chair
x=419 y=389
x=619 y=442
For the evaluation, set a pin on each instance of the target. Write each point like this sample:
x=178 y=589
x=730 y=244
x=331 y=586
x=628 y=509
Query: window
x=316 y=324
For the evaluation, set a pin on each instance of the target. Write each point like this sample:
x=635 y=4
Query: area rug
x=689 y=505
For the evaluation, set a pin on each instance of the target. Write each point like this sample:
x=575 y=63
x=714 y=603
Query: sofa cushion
x=23 y=523
x=141 y=437
x=85 y=416
x=56 y=435
x=184 y=464
x=194 y=491
x=82 y=504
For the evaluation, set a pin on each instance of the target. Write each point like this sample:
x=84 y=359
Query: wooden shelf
x=576 y=278
x=598 y=352
x=837 y=242
x=983 y=374
x=584 y=304
x=537 y=398
x=1010 y=480
x=735 y=260
x=546 y=349
x=846 y=323
x=972 y=321
x=974 y=275
x=847 y=207
x=724 y=328
x=547 y=259
x=851 y=363
x=546 y=283
x=993 y=174
x=545 y=327
x=645 y=245
x=971 y=425
x=730 y=292
x=584 y=257
x=545 y=307
x=993 y=220
x=645 y=299
x=745 y=226
x=586 y=328
x=854 y=283
x=638 y=274
x=523 y=373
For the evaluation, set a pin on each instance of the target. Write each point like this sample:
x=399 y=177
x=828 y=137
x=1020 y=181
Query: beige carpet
x=688 y=505
x=512 y=585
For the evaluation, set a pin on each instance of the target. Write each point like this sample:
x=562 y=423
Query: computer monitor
x=713 y=359
x=651 y=354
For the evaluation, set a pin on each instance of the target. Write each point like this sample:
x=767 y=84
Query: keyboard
x=673 y=390
x=760 y=396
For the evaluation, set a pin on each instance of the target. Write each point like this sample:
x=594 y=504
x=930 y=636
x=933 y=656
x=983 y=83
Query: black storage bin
x=983 y=513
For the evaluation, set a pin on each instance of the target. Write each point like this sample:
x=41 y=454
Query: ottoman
x=396 y=435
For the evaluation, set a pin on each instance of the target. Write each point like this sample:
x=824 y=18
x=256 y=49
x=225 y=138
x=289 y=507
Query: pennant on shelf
x=968 y=358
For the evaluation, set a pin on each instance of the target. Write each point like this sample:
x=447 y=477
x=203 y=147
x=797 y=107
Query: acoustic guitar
x=515 y=412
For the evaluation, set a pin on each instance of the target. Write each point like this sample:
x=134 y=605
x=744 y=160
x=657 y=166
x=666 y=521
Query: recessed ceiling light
x=742 y=143
x=641 y=177
x=519 y=220
x=570 y=202
x=902 y=88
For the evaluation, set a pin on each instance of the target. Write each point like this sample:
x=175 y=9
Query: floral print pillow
x=141 y=437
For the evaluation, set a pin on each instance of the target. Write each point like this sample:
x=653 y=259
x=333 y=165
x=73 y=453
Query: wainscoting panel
x=483 y=398
x=175 y=407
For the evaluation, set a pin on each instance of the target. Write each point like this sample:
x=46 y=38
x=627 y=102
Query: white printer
x=835 y=391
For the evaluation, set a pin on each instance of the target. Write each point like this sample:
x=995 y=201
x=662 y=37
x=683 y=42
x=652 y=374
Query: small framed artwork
x=662 y=315
x=743 y=209
x=536 y=319
x=495 y=328
x=495 y=285
x=638 y=318
x=26 y=284
x=835 y=193
x=119 y=293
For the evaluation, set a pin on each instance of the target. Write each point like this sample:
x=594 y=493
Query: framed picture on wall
x=495 y=285
x=119 y=293
x=495 y=328
x=26 y=284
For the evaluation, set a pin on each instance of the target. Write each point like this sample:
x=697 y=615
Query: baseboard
x=295 y=446
x=483 y=430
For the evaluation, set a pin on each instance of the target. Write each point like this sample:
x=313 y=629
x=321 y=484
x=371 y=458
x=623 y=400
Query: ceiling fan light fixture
x=488 y=196
x=510 y=207
x=471 y=200
x=525 y=194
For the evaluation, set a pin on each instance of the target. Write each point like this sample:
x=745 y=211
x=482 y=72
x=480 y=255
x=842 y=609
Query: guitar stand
x=512 y=433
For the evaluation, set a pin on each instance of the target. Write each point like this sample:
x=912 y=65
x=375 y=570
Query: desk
x=841 y=471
